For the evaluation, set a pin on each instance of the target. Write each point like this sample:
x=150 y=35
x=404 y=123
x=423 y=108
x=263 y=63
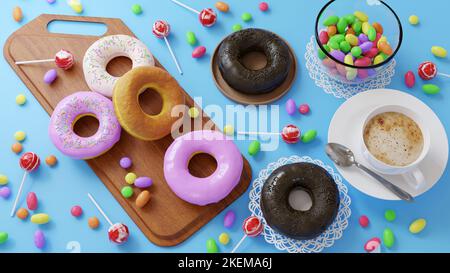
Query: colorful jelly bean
x=352 y=39
x=127 y=191
x=51 y=160
x=21 y=99
x=254 y=148
x=142 y=199
x=32 y=201
x=3 y=179
x=413 y=20
x=350 y=18
x=345 y=46
x=199 y=52
x=22 y=213
x=222 y=6
x=372 y=33
x=378 y=59
x=388 y=237
x=366 y=46
x=50 y=76
x=17 y=14
x=136 y=9
x=246 y=17
x=263 y=6
x=323 y=37
x=130 y=178
x=338 y=55
x=410 y=79
x=378 y=27
x=363 y=221
x=309 y=136
x=211 y=246
x=93 y=222
x=143 y=182
x=356 y=51
x=290 y=107
x=385 y=48
x=431 y=89
x=342 y=25
x=236 y=27
x=228 y=130
x=190 y=38
x=439 y=51
x=417 y=225
x=331 y=30
x=76 y=211
x=365 y=27
x=331 y=20
x=5 y=192
x=390 y=215
x=224 y=238
x=357 y=27
x=361 y=16
x=304 y=109
x=229 y=219
x=3 y=237
x=39 y=239
x=40 y=218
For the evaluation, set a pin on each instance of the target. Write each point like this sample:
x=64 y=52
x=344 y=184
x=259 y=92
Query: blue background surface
x=66 y=185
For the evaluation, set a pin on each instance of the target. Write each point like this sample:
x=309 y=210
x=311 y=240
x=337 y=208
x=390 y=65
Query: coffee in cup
x=394 y=138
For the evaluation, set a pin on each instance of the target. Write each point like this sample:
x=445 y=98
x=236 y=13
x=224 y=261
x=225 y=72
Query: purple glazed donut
x=72 y=108
x=208 y=190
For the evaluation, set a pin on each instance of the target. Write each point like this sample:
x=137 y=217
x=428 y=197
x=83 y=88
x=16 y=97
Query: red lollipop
x=428 y=70
x=290 y=134
x=29 y=162
x=207 y=17
x=118 y=233
x=252 y=227
x=63 y=59
x=161 y=30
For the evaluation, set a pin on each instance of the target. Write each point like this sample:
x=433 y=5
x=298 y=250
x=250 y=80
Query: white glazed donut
x=100 y=53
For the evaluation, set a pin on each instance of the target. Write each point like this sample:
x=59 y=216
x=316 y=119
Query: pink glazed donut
x=72 y=108
x=208 y=190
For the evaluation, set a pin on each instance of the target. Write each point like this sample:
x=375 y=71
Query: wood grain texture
x=166 y=220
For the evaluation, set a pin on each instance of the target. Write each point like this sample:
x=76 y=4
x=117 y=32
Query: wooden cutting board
x=166 y=220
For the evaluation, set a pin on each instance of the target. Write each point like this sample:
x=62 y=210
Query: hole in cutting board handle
x=77 y=28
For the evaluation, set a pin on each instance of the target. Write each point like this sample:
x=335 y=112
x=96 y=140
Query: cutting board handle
x=45 y=19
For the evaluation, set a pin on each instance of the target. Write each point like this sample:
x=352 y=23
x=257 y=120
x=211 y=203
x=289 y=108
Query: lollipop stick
x=36 y=61
x=258 y=133
x=186 y=6
x=239 y=243
x=18 y=194
x=444 y=75
x=100 y=209
x=173 y=56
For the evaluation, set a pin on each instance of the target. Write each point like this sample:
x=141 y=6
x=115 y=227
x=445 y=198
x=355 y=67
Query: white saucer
x=345 y=128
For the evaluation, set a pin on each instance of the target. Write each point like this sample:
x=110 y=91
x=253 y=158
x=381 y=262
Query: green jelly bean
x=357 y=26
x=211 y=246
x=3 y=237
x=352 y=39
x=333 y=44
x=388 y=238
x=136 y=9
x=350 y=19
x=345 y=46
x=327 y=48
x=127 y=191
x=331 y=20
x=190 y=38
x=309 y=136
x=254 y=147
x=342 y=25
x=356 y=51
x=372 y=34
x=431 y=89
x=321 y=54
x=390 y=215
x=237 y=27
x=338 y=38
x=246 y=17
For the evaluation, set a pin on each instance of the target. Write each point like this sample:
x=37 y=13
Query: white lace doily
x=281 y=242
x=342 y=89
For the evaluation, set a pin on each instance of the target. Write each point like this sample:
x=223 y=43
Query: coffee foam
x=393 y=138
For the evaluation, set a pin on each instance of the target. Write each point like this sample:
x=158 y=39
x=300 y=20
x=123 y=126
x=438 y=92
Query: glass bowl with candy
x=356 y=39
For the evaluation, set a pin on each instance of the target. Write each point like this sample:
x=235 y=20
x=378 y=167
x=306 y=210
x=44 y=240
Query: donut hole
x=299 y=199
x=119 y=65
x=254 y=59
x=151 y=102
x=202 y=165
x=86 y=126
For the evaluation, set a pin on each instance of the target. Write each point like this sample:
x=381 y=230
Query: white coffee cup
x=413 y=175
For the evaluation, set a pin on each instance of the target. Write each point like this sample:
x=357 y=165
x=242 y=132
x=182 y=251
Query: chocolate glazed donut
x=248 y=81
x=317 y=182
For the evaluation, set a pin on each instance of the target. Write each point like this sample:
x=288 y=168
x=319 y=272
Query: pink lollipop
x=207 y=17
x=252 y=227
x=372 y=245
x=161 y=29
x=29 y=162
x=63 y=59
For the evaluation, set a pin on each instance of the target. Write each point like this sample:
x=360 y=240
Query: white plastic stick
x=18 y=194
x=100 y=209
x=258 y=133
x=186 y=6
x=238 y=244
x=173 y=56
x=36 y=61
x=444 y=75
